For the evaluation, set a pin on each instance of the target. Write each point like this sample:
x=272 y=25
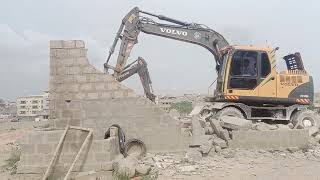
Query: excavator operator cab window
x=243 y=70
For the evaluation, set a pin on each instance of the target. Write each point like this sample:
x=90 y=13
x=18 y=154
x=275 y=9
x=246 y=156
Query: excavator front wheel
x=229 y=111
x=305 y=119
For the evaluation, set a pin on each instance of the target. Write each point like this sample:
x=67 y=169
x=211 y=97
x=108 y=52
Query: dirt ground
x=293 y=164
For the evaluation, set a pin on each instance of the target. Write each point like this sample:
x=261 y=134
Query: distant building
x=165 y=102
x=35 y=106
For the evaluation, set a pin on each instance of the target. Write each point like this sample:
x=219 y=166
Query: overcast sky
x=175 y=67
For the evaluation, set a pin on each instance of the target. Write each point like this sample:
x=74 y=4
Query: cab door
x=242 y=78
x=267 y=81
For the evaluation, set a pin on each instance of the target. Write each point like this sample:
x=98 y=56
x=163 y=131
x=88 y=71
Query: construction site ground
x=227 y=164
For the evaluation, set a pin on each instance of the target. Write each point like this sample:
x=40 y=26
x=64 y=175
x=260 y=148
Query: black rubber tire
x=300 y=116
x=229 y=111
x=134 y=142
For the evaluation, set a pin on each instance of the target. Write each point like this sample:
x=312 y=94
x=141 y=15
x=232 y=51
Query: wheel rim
x=307 y=122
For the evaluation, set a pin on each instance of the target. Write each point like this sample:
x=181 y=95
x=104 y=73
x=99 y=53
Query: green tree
x=183 y=107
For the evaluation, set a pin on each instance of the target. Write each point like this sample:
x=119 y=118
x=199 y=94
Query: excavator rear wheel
x=305 y=119
x=229 y=111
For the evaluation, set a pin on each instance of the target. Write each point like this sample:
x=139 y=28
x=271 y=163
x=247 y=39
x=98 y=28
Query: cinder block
x=80 y=44
x=100 y=86
x=60 y=53
x=107 y=94
x=86 y=87
x=55 y=44
x=80 y=78
x=69 y=44
x=81 y=61
x=92 y=95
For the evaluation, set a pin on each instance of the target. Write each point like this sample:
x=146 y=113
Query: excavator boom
x=134 y=23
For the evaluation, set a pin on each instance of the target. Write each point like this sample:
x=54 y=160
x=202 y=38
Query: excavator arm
x=139 y=66
x=134 y=23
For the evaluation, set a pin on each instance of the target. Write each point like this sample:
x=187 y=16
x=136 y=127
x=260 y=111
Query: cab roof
x=252 y=48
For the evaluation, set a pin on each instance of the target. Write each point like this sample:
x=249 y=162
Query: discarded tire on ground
x=305 y=119
x=229 y=111
x=135 y=147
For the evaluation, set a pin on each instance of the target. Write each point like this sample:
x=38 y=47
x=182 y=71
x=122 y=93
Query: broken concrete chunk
x=142 y=169
x=188 y=168
x=293 y=149
x=206 y=147
x=174 y=113
x=126 y=166
x=235 y=123
x=220 y=142
x=208 y=130
x=217 y=149
x=313 y=130
x=196 y=110
x=224 y=134
x=193 y=154
x=215 y=126
x=197 y=132
x=264 y=126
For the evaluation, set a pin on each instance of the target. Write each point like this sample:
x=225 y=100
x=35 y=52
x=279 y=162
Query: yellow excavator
x=248 y=84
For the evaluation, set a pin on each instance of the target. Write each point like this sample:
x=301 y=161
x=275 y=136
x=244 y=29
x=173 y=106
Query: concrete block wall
x=38 y=147
x=81 y=95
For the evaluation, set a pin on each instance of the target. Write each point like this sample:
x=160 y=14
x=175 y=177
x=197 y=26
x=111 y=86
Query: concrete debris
x=313 y=130
x=217 y=129
x=219 y=142
x=208 y=130
x=142 y=169
x=261 y=126
x=193 y=154
x=218 y=149
x=293 y=149
x=188 y=168
x=235 y=123
x=126 y=166
x=196 y=110
x=197 y=132
x=174 y=114
x=206 y=147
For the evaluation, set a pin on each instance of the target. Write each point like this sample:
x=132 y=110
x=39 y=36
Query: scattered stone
x=235 y=123
x=313 y=130
x=208 y=130
x=196 y=110
x=206 y=147
x=174 y=114
x=185 y=123
x=193 y=154
x=283 y=127
x=143 y=169
x=188 y=168
x=293 y=149
x=220 y=142
x=126 y=166
x=197 y=132
x=224 y=134
x=217 y=149
x=317 y=137
x=264 y=126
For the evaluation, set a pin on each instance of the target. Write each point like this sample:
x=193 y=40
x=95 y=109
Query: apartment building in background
x=35 y=107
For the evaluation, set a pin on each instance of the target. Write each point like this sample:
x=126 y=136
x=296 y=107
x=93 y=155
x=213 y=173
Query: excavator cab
x=249 y=75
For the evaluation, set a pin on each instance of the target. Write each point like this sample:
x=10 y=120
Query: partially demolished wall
x=81 y=95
